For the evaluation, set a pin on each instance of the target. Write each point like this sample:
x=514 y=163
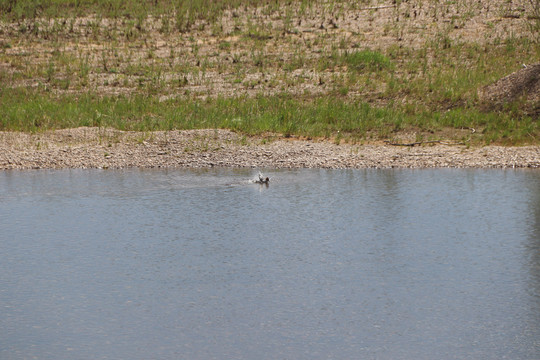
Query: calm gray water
x=321 y=264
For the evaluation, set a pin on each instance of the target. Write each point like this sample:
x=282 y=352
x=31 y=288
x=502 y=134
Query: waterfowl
x=262 y=180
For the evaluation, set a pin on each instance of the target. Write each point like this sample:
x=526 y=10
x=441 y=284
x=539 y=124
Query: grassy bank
x=337 y=69
x=320 y=117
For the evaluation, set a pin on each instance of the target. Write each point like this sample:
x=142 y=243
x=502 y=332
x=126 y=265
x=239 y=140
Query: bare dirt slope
x=524 y=83
x=246 y=51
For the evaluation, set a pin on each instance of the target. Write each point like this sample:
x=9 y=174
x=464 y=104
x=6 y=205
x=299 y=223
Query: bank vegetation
x=348 y=71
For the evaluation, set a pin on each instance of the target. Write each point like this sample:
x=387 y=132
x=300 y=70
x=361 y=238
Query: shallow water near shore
x=202 y=264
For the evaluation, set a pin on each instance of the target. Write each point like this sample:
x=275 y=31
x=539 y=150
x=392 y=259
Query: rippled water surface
x=341 y=264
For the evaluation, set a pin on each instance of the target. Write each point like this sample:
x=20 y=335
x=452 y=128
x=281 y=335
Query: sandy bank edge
x=113 y=149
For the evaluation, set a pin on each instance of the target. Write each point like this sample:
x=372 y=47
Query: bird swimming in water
x=262 y=179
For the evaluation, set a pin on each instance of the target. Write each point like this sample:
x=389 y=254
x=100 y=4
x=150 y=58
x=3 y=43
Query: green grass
x=24 y=110
x=366 y=60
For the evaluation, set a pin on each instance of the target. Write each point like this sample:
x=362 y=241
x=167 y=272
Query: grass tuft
x=366 y=60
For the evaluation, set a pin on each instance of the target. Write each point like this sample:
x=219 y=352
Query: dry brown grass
x=252 y=51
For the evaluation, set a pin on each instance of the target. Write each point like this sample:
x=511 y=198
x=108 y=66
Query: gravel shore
x=113 y=149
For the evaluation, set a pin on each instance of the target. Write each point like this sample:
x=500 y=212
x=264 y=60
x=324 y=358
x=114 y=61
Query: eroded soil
x=258 y=51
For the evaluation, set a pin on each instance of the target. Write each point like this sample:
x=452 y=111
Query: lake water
x=321 y=264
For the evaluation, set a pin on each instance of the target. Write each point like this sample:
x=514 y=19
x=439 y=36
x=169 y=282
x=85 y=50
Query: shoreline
x=114 y=149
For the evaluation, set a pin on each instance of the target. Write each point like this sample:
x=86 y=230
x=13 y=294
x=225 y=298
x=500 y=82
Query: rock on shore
x=114 y=149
